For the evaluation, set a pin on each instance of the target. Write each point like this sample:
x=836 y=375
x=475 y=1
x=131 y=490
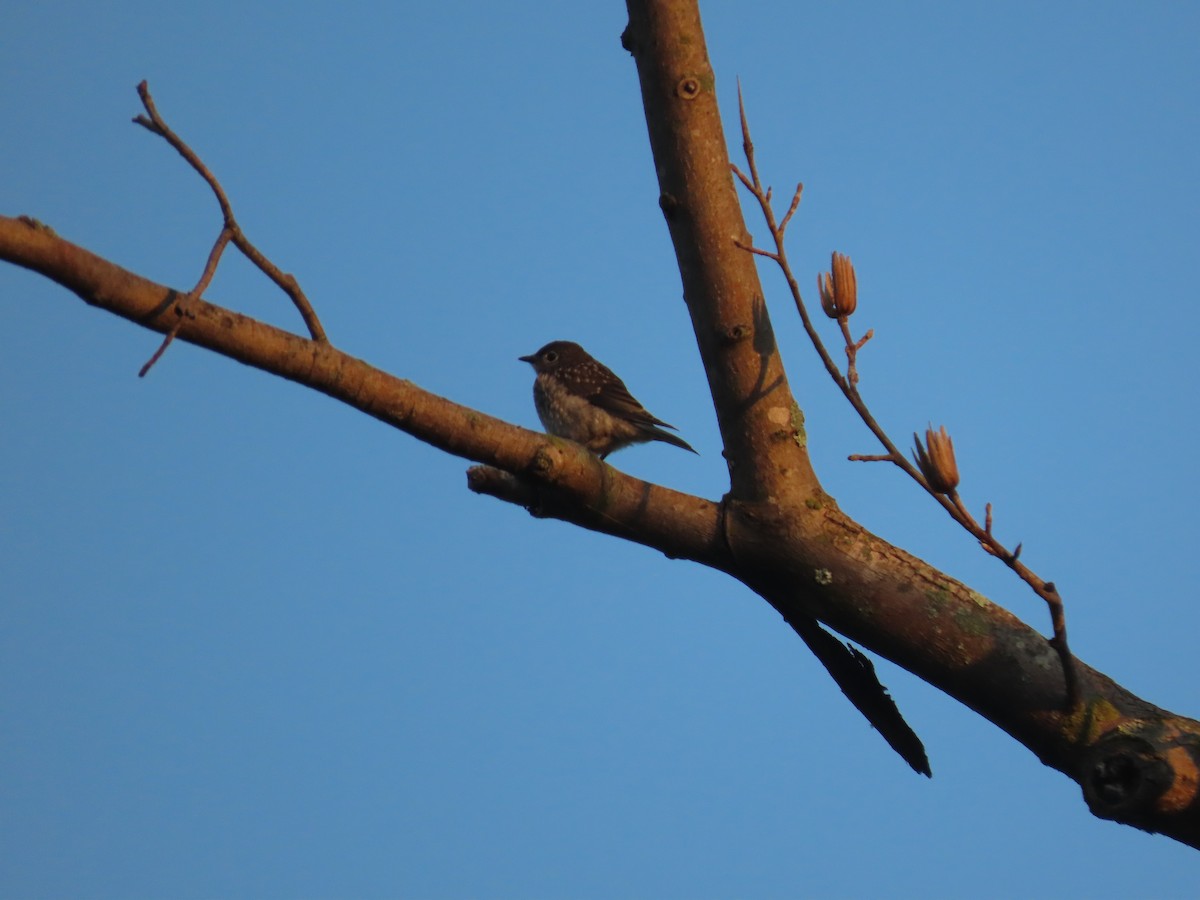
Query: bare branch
x=775 y=530
x=181 y=304
x=162 y=348
x=230 y=231
x=792 y=209
x=758 y=251
x=839 y=300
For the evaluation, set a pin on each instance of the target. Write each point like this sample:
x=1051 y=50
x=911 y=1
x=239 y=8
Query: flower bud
x=839 y=289
x=936 y=460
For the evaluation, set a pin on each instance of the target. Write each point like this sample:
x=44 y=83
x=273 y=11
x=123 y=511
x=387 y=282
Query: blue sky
x=253 y=644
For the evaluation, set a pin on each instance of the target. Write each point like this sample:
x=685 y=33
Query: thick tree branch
x=792 y=544
x=761 y=427
x=678 y=524
x=935 y=470
x=1132 y=758
x=776 y=531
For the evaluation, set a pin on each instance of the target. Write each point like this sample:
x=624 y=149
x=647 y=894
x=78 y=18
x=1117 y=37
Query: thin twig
x=742 y=175
x=181 y=304
x=1044 y=589
x=162 y=348
x=792 y=209
x=750 y=248
x=287 y=283
x=754 y=185
x=851 y=352
x=210 y=267
x=852 y=348
x=848 y=384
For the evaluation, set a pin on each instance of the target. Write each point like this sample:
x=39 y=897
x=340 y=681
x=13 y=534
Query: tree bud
x=839 y=289
x=936 y=460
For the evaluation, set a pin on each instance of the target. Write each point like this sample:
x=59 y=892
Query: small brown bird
x=581 y=399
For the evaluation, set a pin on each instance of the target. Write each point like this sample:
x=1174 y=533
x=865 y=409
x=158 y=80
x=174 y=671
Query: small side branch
x=231 y=232
x=182 y=306
x=934 y=468
x=1012 y=558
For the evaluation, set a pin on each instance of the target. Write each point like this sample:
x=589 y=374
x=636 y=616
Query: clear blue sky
x=254 y=644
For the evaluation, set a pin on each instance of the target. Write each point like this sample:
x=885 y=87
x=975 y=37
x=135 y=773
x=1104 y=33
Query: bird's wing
x=614 y=397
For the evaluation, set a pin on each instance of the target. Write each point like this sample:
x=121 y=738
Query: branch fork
x=230 y=233
x=933 y=467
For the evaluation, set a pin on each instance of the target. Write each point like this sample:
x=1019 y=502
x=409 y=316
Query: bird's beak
x=528 y=359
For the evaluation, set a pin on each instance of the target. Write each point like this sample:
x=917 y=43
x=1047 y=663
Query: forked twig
x=231 y=232
x=181 y=305
x=838 y=299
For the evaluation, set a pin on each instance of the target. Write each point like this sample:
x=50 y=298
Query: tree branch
x=776 y=531
x=684 y=526
x=839 y=300
x=231 y=231
x=761 y=428
x=790 y=541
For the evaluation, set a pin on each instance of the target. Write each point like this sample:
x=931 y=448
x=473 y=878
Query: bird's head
x=556 y=355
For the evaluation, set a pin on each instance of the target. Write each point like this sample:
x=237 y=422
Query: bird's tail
x=666 y=437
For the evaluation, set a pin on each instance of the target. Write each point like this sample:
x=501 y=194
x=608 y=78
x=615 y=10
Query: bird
x=579 y=398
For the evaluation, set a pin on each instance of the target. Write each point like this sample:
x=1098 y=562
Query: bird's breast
x=569 y=415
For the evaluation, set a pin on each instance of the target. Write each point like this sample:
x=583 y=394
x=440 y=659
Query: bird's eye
x=550 y=355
